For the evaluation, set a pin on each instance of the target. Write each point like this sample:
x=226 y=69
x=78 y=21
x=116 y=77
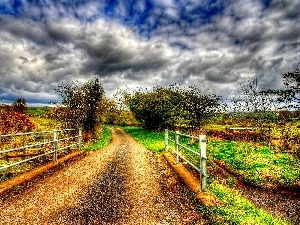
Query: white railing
x=199 y=155
x=40 y=143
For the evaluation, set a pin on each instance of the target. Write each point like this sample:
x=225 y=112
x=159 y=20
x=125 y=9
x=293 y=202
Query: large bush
x=172 y=106
x=14 y=122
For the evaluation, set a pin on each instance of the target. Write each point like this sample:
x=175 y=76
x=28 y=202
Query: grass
x=44 y=123
x=258 y=165
x=104 y=138
x=152 y=140
x=236 y=209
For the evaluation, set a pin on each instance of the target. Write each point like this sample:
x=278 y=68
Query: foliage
x=152 y=140
x=20 y=106
x=236 y=209
x=14 y=122
x=81 y=105
x=120 y=118
x=103 y=139
x=172 y=106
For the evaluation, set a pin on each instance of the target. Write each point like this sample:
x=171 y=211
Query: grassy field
x=257 y=165
x=236 y=208
x=44 y=124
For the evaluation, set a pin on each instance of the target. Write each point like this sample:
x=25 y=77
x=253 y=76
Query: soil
x=123 y=183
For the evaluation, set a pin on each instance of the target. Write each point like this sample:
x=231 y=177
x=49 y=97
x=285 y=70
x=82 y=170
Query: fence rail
x=46 y=142
x=200 y=156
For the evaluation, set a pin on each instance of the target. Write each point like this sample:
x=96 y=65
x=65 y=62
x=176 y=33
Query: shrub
x=14 y=122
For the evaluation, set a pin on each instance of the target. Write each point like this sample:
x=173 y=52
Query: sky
x=215 y=45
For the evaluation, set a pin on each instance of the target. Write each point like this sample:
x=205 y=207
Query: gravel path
x=121 y=184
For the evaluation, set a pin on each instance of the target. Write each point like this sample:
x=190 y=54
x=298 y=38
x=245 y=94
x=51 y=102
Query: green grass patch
x=32 y=111
x=256 y=164
x=236 y=210
x=104 y=138
x=152 y=140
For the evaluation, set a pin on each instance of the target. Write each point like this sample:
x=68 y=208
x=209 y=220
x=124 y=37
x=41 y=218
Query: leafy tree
x=198 y=108
x=81 y=105
x=20 y=106
x=172 y=106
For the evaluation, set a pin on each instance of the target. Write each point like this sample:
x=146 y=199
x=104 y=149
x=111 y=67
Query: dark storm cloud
x=215 y=44
x=226 y=76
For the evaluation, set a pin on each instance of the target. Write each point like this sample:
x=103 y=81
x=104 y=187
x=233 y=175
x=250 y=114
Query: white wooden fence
x=200 y=155
x=41 y=143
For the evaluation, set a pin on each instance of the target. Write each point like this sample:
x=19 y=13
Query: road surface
x=123 y=183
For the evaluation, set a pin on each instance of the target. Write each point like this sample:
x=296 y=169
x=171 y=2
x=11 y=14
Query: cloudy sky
x=213 y=44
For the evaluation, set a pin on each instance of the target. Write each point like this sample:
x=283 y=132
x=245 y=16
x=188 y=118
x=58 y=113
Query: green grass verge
x=256 y=164
x=104 y=138
x=152 y=140
x=236 y=210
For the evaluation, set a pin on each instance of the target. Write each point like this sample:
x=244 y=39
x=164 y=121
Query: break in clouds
x=214 y=45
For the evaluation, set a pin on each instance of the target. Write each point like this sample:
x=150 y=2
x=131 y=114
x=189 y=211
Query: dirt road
x=121 y=184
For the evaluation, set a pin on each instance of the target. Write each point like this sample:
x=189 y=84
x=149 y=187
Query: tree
x=198 y=108
x=171 y=107
x=20 y=106
x=289 y=95
x=156 y=109
x=254 y=108
x=81 y=105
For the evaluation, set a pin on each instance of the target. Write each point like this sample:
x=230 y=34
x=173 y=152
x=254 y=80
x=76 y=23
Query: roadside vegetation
x=103 y=139
x=236 y=208
x=152 y=140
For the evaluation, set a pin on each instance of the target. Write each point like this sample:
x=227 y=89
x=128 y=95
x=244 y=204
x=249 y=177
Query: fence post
x=166 y=140
x=79 y=138
x=176 y=146
x=203 y=173
x=55 y=144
